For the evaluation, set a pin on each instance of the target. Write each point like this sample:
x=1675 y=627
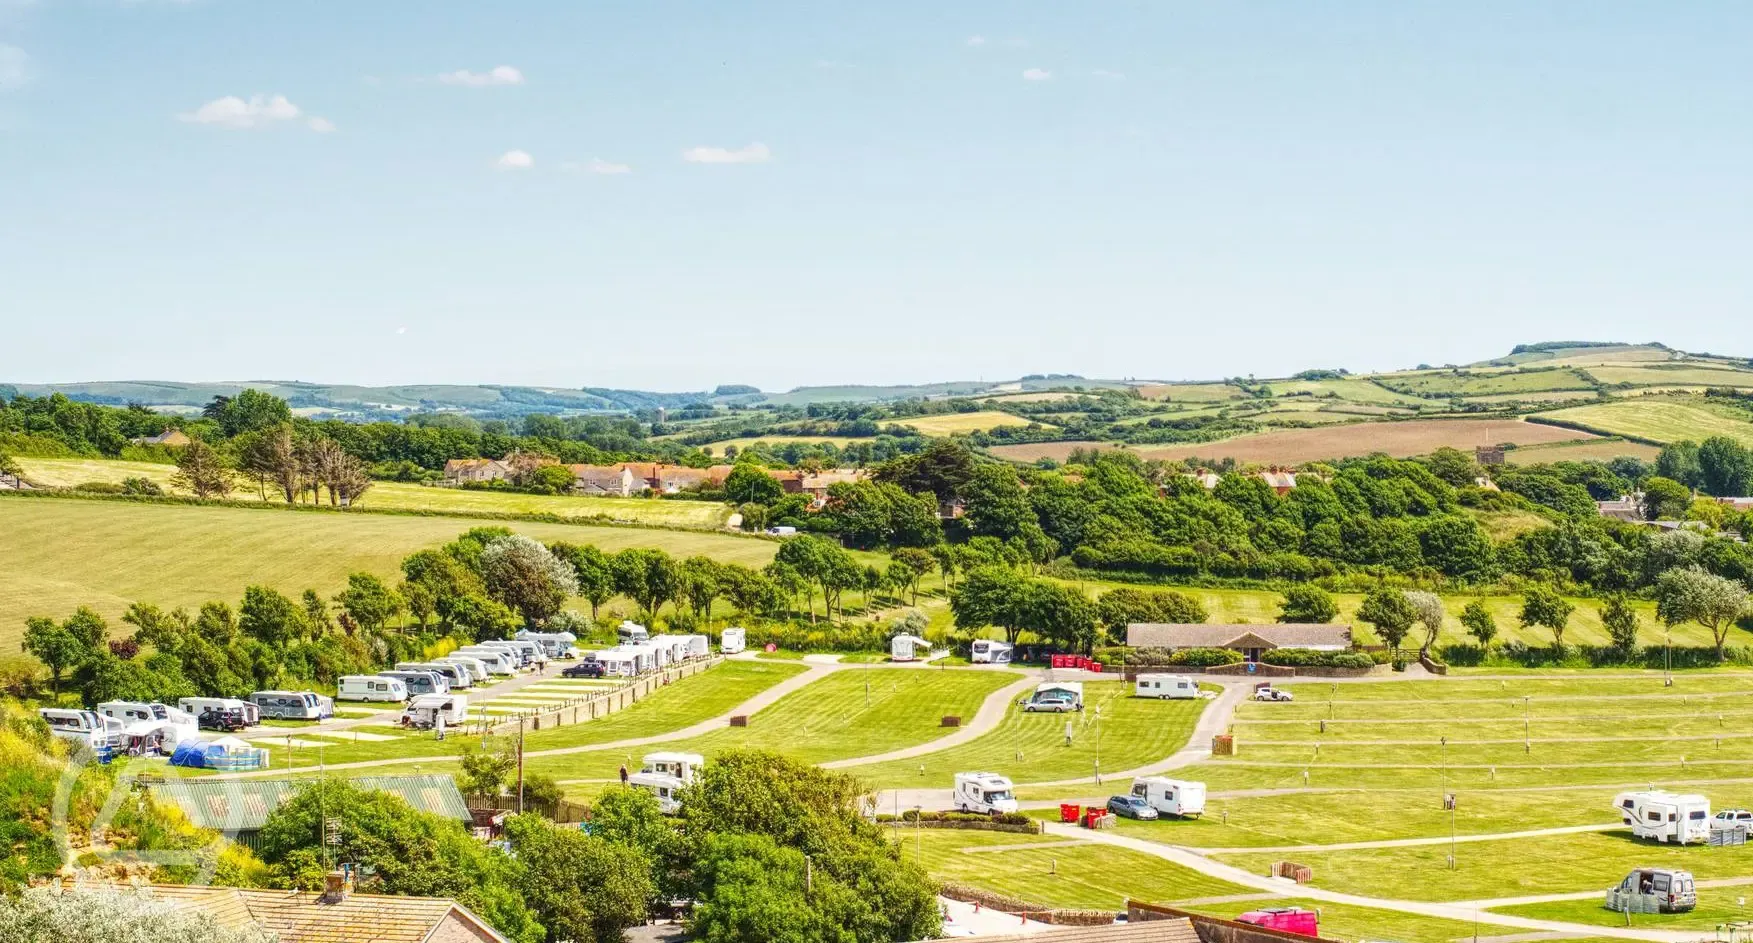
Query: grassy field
x=1190 y=392
x=1044 y=870
x=1413 y=437
x=959 y=423
x=833 y=718
x=1592 y=450
x=839 y=441
x=1446 y=383
x=705 y=515
x=1129 y=732
x=1350 y=389
x=1660 y=420
x=1716 y=907
x=64 y=553
x=1680 y=374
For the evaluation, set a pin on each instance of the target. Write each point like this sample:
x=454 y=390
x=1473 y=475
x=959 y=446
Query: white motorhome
x=908 y=648
x=476 y=667
x=987 y=651
x=553 y=644
x=372 y=688
x=1171 y=796
x=80 y=726
x=198 y=705
x=733 y=640
x=630 y=631
x=455 y=675
x=1171 y=687
x=984 y=793
x=497 y=660
x=428 y=710
x=177 y=725
x=665 y=775
x=1665 y=816
x=287 y=705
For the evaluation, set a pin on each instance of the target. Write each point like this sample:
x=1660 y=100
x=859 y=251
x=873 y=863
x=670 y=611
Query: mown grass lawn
x=828 y=720
x=1716 y=907
x=1344 y=922
x=1128 y=732
x=1056 y=874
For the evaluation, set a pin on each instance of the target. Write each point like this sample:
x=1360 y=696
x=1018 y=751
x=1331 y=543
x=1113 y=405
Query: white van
x=733 y=640
x=987 y=651
x=197 y=705
x=287 y=705
x=372 y=688
x=476 y=668
x=1171 y=796
x=665 y=775
x=984 y=793
x=427 y=710
x=454 y=675
x=497 y=660
x=1665 y=816
x=81 y=727
x=1171 y=687
x=631 y=632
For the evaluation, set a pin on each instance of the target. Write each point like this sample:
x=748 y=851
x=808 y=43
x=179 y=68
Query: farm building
x=240 y=807
x=169 y=438
x=459 y=470
x=1251 y=640
x=1628 y=508
x=336 y=915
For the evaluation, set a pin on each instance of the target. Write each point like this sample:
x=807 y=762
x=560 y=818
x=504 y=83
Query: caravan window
x=1627 y=804
x=1696 y=815
x=1140 y=790
x=1653 y=815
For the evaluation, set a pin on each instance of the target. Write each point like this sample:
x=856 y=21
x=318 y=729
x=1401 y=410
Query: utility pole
x=520 y=764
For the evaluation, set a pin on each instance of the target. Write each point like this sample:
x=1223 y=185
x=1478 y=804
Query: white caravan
x=987 y=651
x=1171 y=796
x=664 y=775
x=618 y=662
x=422 y=681
x=498 y=660
x=427 y=710
x=630 y=632
x=82 y=727
x=455 y=675
x=908 y=648
x=984 y=793
x=1172 y=687
x=177 y=725
x=733 y=640
x=197 y=705
x=1665 y=816
x=698 y=646
x=372 y=688
x=523 y=654
x=287 y=705
x=553 y=644
x=476 y=668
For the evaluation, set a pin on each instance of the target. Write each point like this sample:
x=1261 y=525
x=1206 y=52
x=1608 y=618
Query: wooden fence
x=579 y=710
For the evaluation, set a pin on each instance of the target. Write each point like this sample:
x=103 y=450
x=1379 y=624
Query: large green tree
x=1391 y=615
x=522 y=574
x=1542 y=606
x=1694 y=594
x=1306 y=602
x=581 y=887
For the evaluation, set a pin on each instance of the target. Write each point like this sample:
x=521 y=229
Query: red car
x=1289 y=919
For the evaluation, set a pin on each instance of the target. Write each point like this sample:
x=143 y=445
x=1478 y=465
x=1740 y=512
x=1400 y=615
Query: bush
x=1310 y=658
x=99 y=487
x=1205 y=657
x=142 y=486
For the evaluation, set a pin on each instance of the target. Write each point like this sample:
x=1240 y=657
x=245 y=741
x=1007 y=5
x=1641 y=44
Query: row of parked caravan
x=461 y=669
x=639 y=652
x=139 y=727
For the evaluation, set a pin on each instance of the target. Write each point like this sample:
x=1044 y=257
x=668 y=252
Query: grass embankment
x=61 y=554
x=831 y=719
x=1129 y=732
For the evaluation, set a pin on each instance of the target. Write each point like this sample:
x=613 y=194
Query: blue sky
x=347 y=191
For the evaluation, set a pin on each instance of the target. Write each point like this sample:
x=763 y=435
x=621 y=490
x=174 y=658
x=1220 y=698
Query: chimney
x=336 y=887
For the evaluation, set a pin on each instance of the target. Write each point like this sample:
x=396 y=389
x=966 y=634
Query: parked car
x=1287 y=919
x=1729 y=818
x=1131 y=807
x=1653 y=891
x=584 y=669
x=214 y=718
x=1272 y=694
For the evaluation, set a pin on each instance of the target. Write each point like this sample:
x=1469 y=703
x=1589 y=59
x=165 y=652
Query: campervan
x=1171 y=796
x=372 y=688
x=908 y=648
x=80 y=726
x=287 y=705
x=454 y=675
x=1665 y=816
x=498 y=661
x=476 y=668
x=987 y=651
x=984 y=793
x=429 y=710
x=176 y=725
x=198 y=706
x=1653 y=891
x=630 y=632
x=420 y=682
x=733 y=640
x=664 y=775
x=1172 y=687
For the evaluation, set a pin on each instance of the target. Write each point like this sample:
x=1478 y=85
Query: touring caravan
x=81 y=727
x=1171 y=687
x=430 y=710
x=665 y=775
x=984 y=793
x=553 y=644
x=420 y=682
x=497 y=660
x=455 y=676
x=287 y=705
x=523 y=654
x=987 y=651
x=630 y=632
x=1171 y=796
x=372 y=688
x=908 y=648
x=733 y=640
x=245 y=711
x=176 y=725
x=1665 y=816
x=618 y=662
x=697 y=646
x=476 y=668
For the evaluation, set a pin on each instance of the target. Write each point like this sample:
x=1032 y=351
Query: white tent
x=907 y=648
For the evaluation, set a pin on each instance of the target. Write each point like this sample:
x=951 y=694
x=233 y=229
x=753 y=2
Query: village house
x=336 y=915
x=1625 y=508
x=606 y=480
x=1251 y=640
x=1281 y=482
x=817 y=485
x=460 y=470
x=169 y=438
x=790 y=482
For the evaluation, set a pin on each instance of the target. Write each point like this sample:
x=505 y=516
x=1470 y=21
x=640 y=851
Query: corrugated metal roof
x=243 y=805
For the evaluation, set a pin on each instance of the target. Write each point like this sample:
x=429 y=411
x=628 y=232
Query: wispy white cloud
x=756 y=153
x=1037 y=75
x=498 y=75
x=596 y=165
x=258 y=112
x=515 y=160
x=1107 y=74
x=976 y=40
x=15 y=69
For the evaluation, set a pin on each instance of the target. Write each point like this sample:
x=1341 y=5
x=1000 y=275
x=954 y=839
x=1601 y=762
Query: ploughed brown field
x=1295 y=446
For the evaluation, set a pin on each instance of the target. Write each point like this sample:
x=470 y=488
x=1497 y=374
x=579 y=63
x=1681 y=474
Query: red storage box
x=1069 y=811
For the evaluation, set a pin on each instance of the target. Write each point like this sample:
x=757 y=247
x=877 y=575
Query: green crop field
x=704 y=515
x=64 y=553
x=1127 y=733
x=1673 y=375
x=836 y=717
x=1350 y=389
x=1660 y=420
x=959 y=423
x=1479 y=383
